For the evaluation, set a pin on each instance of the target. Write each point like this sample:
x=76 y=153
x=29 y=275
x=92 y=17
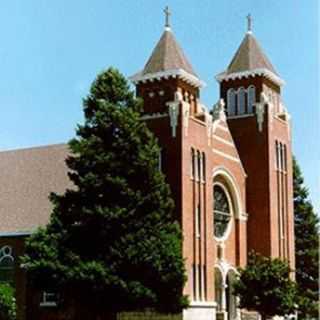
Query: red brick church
x=230 y=171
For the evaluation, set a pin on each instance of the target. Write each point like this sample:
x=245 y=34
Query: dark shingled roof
x=27 y=177
x=249 y=56
x=167 y=55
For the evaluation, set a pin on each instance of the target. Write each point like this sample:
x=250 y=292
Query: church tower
x=169 y=88
x=260 y=126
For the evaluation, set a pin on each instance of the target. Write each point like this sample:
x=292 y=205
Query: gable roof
x=167 y=55
x=249 y=56
x=27 y=177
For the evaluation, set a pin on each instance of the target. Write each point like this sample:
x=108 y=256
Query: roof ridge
x=33 y=148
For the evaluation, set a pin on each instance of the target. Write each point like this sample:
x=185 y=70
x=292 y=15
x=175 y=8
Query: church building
x=229 y=169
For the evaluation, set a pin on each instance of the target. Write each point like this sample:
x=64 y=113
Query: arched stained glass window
x=241 y=101
x=6 y=265
x=221 y=211
x=251 y=98
x=231 y=101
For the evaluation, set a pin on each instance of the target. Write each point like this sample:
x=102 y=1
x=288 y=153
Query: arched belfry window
x=231 y=101
x=251 y=98
x=241 y=101
x=6 y=265
x=221 y=210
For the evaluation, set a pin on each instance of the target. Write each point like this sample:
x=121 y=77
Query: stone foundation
x=200 y=311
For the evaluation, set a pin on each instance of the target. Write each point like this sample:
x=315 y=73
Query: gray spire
x=167 y=55
x=249 y=57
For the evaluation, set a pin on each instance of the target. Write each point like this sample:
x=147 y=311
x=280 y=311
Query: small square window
x=49 y=299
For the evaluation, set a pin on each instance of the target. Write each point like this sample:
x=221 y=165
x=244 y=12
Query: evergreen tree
x=307 y=247
x=112 y=242
x=264 y=285
x=7 y=302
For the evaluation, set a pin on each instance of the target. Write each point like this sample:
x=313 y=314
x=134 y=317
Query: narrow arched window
x=285 y=157
x=198 y=177
x=192 y=163
x=281 y=155
x=231 y=101
x=241 y=101
x=251 y=98
x=203 y=166
x=277 y=155
x=6 y=265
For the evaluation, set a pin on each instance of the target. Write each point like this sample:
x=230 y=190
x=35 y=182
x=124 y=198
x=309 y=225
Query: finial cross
x=249 y=18
x=167 y=14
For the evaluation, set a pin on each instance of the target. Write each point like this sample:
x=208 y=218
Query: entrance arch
x=227 y=302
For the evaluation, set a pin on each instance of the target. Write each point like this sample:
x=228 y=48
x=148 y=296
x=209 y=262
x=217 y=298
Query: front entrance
x=226 y=301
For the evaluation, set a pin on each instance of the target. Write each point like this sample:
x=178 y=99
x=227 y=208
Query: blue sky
x=50 y=52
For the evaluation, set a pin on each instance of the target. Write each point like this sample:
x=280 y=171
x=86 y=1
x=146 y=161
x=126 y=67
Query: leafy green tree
x=113 y=242
x=264 y=285
x=307 y=247
x=7 y=303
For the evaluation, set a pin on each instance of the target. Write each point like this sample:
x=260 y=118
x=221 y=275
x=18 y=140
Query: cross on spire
x=249 y=18
x=167 y=15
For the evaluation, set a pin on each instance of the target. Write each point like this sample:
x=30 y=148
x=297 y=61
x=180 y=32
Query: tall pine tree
x=307 y=247
x=112 y=242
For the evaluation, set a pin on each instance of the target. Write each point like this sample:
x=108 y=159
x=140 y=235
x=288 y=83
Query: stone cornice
x=245 y=74
x=174 y=73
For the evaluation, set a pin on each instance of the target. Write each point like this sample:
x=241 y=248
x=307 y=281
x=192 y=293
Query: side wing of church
x=230 y=172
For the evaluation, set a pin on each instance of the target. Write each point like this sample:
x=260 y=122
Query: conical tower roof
x=250 y=60
x=167 y=55
x=249 y=56
x=168 y=60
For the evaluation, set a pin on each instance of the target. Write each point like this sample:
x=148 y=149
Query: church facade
x=230 y=172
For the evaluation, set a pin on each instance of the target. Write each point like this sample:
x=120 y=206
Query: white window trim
x=198 y=221
x=225 y=155
x=44 y=302
x=6 y=255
